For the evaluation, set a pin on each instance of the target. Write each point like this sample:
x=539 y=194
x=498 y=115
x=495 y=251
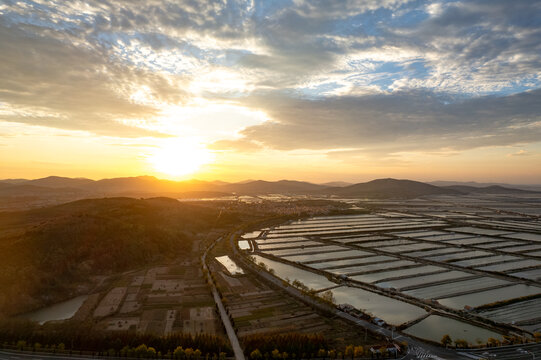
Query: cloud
x=476 y=47
x=239 y=145
x=384 y=76
x=386 y=123
x=47 y=82
x=520 y=153
x=343 y=9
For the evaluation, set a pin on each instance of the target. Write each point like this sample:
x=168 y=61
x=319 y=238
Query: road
x=233 y=339
x=511 y=352
x=11 y=355
x=418 y=349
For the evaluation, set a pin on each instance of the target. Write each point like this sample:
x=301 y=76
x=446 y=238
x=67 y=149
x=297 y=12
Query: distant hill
x=219 y=182
x=145 y=185
x=24 y=194
x=270 y=187
x=531 y=187
x=5 y=185
x=33 y=190
x=494 y=189
x=59 y=182
x=389 y=188
x=337 y=184
x=13 y=181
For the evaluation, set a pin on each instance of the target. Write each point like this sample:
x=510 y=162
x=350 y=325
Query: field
x=160 y=301
x=256 y=308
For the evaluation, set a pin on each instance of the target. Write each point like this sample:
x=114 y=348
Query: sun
x=178 y=157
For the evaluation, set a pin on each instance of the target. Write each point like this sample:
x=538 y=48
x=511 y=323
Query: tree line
x=447 y=341
x=297 y=346
x=75 y=336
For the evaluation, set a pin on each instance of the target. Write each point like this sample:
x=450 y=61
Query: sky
x=320 y=90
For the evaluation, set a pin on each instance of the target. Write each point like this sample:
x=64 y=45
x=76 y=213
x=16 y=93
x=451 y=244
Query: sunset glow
x=361 y=89
x=246 y=179
x=177 y=158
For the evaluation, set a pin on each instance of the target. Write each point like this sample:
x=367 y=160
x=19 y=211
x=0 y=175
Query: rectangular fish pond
x=230 y=265
x=393 y=311
x=285 y=271
x=435 y=327
x=490 y=296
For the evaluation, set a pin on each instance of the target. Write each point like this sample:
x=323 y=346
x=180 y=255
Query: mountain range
x=17 y=193
x=530 y=187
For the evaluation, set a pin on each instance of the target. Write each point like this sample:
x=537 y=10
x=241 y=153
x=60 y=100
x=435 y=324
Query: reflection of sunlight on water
x=284 y=271
x=244 y=245
x=230 y=265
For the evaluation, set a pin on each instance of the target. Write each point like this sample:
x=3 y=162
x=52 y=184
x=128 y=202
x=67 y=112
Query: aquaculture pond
x=350 y=262
x=474 y=241
x=230 y=265
x=326 y=255
x=251 y=235
x=244 y=245
x=497 y=244
x=511 y=265
x=378 y=276
x=489 y=296
x=281 y=240
x=435 y=327
x=60 y=311
x=418 y=234
x=411 y=247
x=525 y=236
x=290 y=272
x=457 y=287
x=533 y=274
x=355 y=239
x=458 y=256
x=449 y=237
x=391 y=310
x=435 y=252
x=523 y=248
x=387 y=265
x=424 y=279
x=477 y=262
x=479 y=231
x=324 y=250
x=383 y=242
x=520 y=311
x=287 y=245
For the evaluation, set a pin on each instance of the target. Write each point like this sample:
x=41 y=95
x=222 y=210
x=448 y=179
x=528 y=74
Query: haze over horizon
x=331 y=183
x=307 y=90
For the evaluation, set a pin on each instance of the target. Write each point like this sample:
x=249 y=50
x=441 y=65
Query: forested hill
x=48 y=252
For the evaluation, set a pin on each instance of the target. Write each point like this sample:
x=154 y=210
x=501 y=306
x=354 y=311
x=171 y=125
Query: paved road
x=418 y=349
x=511 y=352
x=233 y=339
x=12 y=355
